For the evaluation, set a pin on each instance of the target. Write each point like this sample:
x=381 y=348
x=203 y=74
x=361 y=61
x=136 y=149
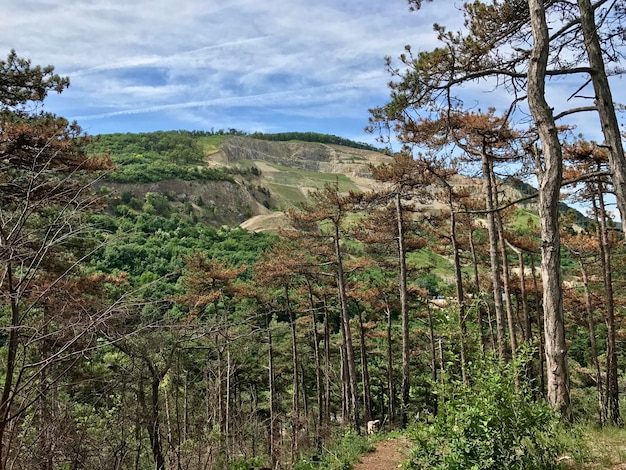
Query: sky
x=252 y=65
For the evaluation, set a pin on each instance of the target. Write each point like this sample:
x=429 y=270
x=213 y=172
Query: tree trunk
x=390 y=382
x=594 y=344
x=318 y=366
x=528 y=333
x=433 y=354
x=45 y=435
x=496 y=270
x=273 y=438
x=404 y=313
x=507 y=286
x=152 y=417
x=295 y=397
x=458 y=281
x=478 y=293
x=550 y=174
x=11 y=362
x=612 y=388
x=540 y=335
x=365 y=377
x=604 y=104
x=327 y=365
x=345 y=386
x=347 y=333
x=174 y=450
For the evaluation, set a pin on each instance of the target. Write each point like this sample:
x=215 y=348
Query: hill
x=233 y=179
x=230 y=179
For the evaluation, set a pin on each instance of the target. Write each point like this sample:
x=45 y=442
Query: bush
x=492 y=423
x=340 y=456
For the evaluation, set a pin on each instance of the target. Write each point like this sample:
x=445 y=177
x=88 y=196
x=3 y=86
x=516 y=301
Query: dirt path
x=388 y=455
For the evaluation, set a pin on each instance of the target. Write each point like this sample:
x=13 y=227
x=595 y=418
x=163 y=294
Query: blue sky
x=253 y=65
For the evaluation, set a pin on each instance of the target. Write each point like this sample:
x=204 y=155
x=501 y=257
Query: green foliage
x=157 y=156
x=427 y=259
x=491 y=423
x=524 y=221
x=152 y=244
x=245 y=463
x=23 y=84
x=340 y=456
x=431 y=282
x=151 y=170
x=314 y=137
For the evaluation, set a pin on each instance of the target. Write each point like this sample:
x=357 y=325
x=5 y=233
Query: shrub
x=341 y=455
x=491 y=423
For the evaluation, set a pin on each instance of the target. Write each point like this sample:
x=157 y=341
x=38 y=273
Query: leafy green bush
x=157 y=170
x=491 y=423
x=340 y=456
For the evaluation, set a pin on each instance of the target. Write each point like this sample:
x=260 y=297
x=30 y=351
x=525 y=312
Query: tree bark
x=433 y=353
x=404 y=312
x=458 y=281
x=295 y=398
x=327 y=365
x=528 y=333
x=318 y=366
x=365 y=376
x=591 y=326
x=347 y=334
x=496 y=270
x=612 y=388
x=478 y=293
x=507 y=286
x=540 y=335
x=604 y=104
x=11 y=361
x=273 y=431
x=390 y=382
x=550 y=175
x=152 y=416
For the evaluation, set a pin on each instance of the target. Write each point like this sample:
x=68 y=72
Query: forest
x=483 y=323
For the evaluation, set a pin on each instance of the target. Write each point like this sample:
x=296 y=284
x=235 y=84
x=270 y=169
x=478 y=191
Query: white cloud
x=182 y=61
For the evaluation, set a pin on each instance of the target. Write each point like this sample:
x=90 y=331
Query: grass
x=605 y=449
x=287 y=185
x=524 y=220
x=211 y=143
x=426 y=258
x=286 y=193
x=593 y=448
x=597 y=449
x=313 y=179
x=341 y=455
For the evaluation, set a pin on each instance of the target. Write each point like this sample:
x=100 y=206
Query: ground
x=389 y=455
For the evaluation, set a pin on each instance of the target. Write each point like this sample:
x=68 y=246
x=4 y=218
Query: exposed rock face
x=215 y=203
x=308 y=156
